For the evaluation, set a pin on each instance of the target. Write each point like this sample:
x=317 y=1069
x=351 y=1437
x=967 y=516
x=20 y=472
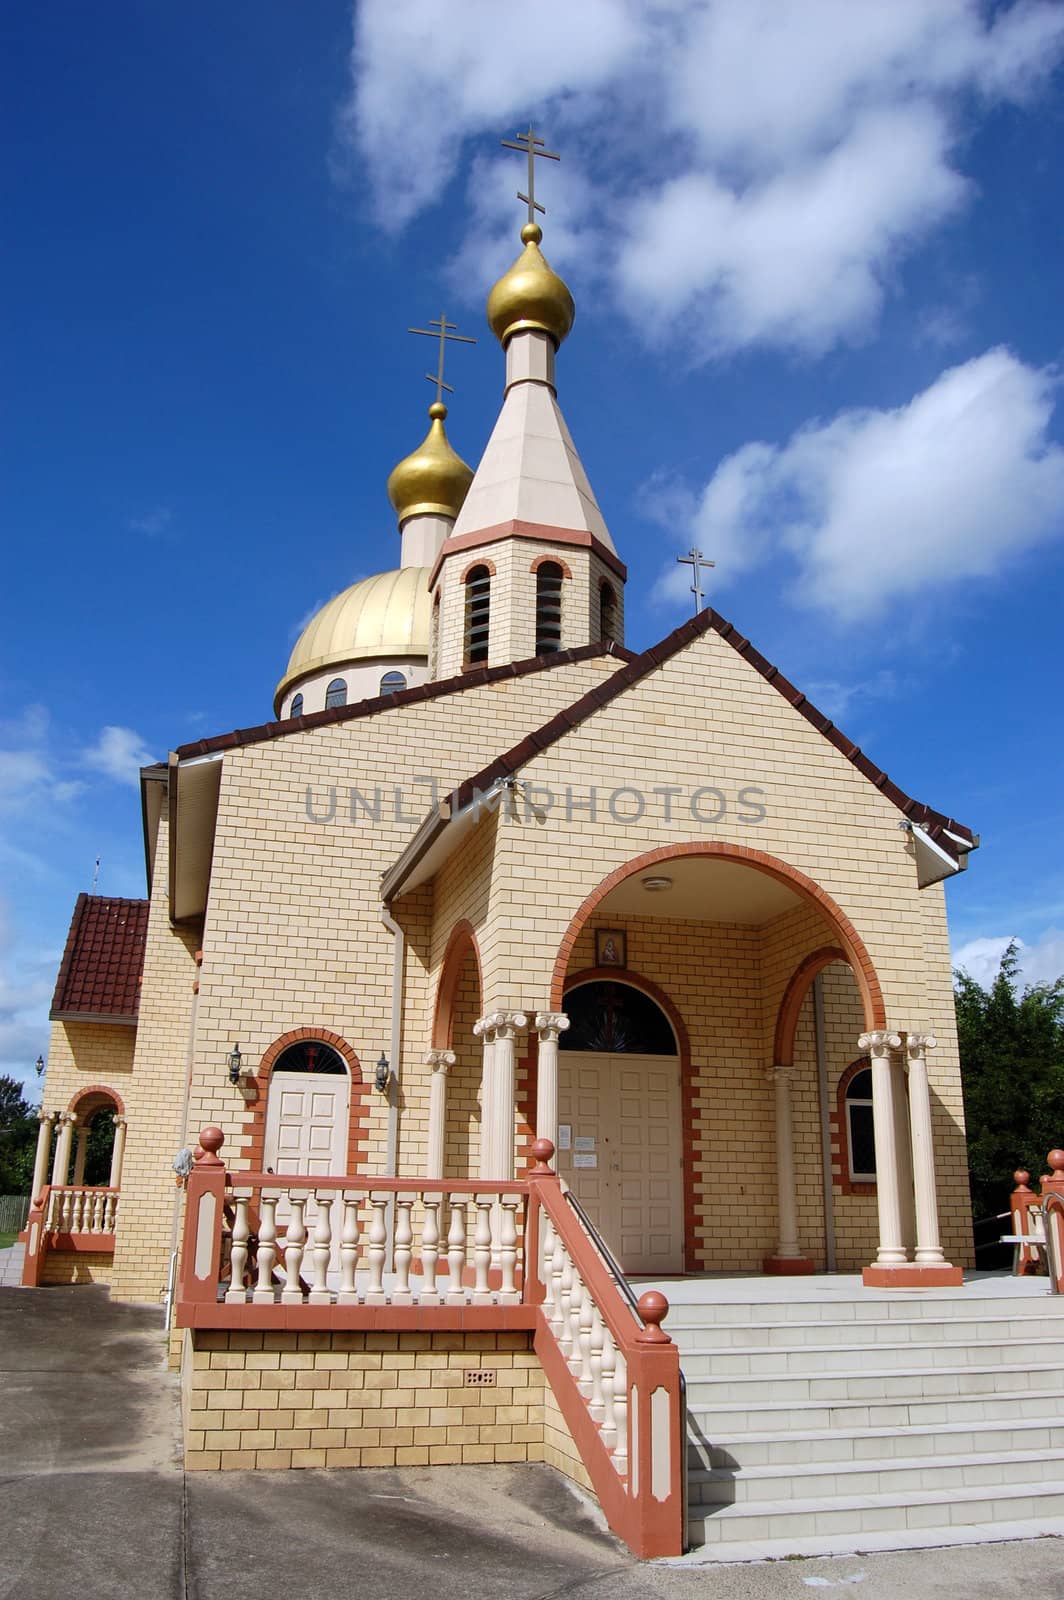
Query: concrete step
x=696 y=1338
x=820 y=1445
x=785 y=1523
x=856 y=1383
x=903 y=1356
x=782 y=1418
x=833 y=1480
x=11 y=1261
x=869 y=1305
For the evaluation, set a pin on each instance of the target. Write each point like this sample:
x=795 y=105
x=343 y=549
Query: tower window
x=434 y=638
x=392 y=682
x=607 y=611
x=548 y=607
x=296 y=708
x=336 y=694
x=478 y=614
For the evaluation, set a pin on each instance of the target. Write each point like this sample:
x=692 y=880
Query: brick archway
x=793 y=996
x=743 y=855
x=253 y=1150
x=100 y=1092
x=462 y=940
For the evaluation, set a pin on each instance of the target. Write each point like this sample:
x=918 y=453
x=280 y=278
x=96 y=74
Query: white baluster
x=238 y=1254
x=67 y=1224
x=98 y=1201
x=320 y=1294
x=581 y=1357
x=557 y=1270
x=508 y=1295
x=295 y=1240
x=378 y=1249
x=565 y=1304
x=609 y=1388
x=348 y=1295
x=456 y=1251
x=546 y=1267
x=110 y=1207
x=598 y=1344
x=430 y=1250
x=620 y=1405
x=54 y=1208
x=404 y=1234
x=267 y=1252
x=482 y=1250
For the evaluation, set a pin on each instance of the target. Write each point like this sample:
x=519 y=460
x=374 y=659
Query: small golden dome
x=433 y=478
x=531 y=295
x=382 y=618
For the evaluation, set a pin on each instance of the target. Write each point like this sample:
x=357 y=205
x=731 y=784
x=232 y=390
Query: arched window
x=310 y=1055
x=548 y=607
x=434 y=637
x=616 y=1018
x=336 y=693
x=296 y=708
x=607 y=611
x=860 y=1128
x=478 y=614
x=392 y=682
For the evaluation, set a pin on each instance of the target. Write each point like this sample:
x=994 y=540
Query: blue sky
x=816 y=251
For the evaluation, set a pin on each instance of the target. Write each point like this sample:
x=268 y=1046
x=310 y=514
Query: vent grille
x=481 y=1378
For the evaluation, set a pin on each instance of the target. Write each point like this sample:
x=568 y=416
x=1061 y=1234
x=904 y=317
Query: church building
x=490 y=877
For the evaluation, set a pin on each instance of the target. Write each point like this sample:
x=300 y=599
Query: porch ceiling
x=703 y=890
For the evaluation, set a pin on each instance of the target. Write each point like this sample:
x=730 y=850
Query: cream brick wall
x=364 y=1400
x=82 y=1055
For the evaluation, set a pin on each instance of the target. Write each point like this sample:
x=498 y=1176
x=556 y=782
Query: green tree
x=1012 y=1063
x=18 y=1138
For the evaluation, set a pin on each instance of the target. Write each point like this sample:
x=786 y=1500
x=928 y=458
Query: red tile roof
x=99 y=978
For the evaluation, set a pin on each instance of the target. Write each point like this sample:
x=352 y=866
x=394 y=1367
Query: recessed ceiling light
x=655 y=885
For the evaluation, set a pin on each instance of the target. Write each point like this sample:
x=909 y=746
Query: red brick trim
x=473 y=565
x=462 y=939
x=794 y=994
x=635 y=980
x=516 y=528
x=745 y=855
x=254 y=1146
x=841 y=1181
x=556 y=560
x=98 y=1089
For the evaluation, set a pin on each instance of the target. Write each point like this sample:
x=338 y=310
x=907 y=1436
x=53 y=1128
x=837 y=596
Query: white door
x=306 y=1124
x=624 y=1161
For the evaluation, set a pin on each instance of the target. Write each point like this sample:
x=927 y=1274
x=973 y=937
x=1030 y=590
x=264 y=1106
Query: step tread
x=828 y=1469
x=823 y=1435
x=727 y=1407
x=724 y=1551
x=862 y=1372
x=915 y=1345
x=961 y=1495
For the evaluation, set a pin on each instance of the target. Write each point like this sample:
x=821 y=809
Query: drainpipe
x=825 y=1124
x=391 y=1162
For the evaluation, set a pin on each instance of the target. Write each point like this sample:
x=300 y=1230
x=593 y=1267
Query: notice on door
x=585 y=1158
x=584 y=1141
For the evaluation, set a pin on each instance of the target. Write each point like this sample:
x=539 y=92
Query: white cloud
x=877 y=506
x=1041 y=962
x=770 y=160
x=118 y=753
x=27 y=979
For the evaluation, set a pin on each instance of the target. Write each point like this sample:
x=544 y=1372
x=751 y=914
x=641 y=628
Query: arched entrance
x=307 y=1111
x=619 y=1120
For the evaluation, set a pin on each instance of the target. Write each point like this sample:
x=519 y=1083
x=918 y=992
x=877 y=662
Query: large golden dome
x=531 y=295
x=382 y=618
x=433 y=478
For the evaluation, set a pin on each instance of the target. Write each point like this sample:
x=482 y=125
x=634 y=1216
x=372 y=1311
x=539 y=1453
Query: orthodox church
x=492 y=877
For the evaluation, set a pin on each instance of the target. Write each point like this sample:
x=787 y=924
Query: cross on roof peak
x=532 y=146
x=439 y=328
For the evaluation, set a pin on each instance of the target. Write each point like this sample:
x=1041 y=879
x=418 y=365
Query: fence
x=14 y=1209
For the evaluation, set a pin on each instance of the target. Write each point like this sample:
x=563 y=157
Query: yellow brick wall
x=462 y=1145
x=76 y=1266
x=83 y=1054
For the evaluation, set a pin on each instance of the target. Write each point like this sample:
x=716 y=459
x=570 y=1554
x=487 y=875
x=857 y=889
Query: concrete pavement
x=96 y=1506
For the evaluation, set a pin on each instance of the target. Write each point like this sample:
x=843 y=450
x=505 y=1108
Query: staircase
x=11 y=1261
x=824 y=1417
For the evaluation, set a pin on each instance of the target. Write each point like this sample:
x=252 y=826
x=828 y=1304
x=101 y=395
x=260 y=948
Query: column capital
x=440 y=1060
x=879 y=1042
x=118 y=1121
x=68 y=1116
x=917 y=1044
x=548 y=1023
x=780 y=1072
x=47 y=1116
x=500 y=1023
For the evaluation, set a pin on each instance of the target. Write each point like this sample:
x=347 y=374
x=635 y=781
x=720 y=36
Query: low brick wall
x=77 y=1266
x=352 y=1399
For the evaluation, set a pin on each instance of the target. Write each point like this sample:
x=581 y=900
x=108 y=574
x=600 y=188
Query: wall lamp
x=383 y=1075
x=39 y=1064
x=235 y=1062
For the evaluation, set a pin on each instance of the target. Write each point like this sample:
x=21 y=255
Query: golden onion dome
x=382 y=618
x=433 y=478
x=531 y=295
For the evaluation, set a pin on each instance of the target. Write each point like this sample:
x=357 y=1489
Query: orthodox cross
x=439 y=328
x=696 y=561
x=533 y=147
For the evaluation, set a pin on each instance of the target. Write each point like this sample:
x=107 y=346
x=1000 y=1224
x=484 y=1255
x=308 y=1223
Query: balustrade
x=80 y=1210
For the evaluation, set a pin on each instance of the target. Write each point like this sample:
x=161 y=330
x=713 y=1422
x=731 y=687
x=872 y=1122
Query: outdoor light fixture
x=236 y=1062
x=384 y=1074
x=39 y=1064
x=656 y=885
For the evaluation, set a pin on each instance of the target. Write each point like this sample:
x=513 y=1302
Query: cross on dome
x=533 y=147
x=439 y=328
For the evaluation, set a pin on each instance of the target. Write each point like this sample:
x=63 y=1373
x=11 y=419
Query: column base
x=912 y=1275
x=787 y=1266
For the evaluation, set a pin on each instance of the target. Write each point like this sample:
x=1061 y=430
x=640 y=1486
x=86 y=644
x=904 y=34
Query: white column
x=81 y=1150
x=440 y=1061
x=891 y=1252
x=46 y=1120
x=117 y=1153
x=497 y=1119
x=549 y=1025
x=61 y=1163
x=484 y=1029
x=928 y=1245
x=788 y=1248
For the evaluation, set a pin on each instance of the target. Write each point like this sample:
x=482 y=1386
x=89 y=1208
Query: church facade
x=491 y=875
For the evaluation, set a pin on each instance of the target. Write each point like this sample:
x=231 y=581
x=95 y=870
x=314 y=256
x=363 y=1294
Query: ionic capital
x=500 y=1024
x=917 y=1044
x=782 y=1072
x=119 y=1122
x=47 y=1116
x=549 y=1024
x=440 y=1060
x=68 y=1116
x=879 y=1044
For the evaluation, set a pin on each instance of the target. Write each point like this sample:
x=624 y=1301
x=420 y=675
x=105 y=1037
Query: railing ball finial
x=543 y=1151
x=1021 y=1179
x=653 y=1308
x=211 y=1140
x=1056 y=1162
